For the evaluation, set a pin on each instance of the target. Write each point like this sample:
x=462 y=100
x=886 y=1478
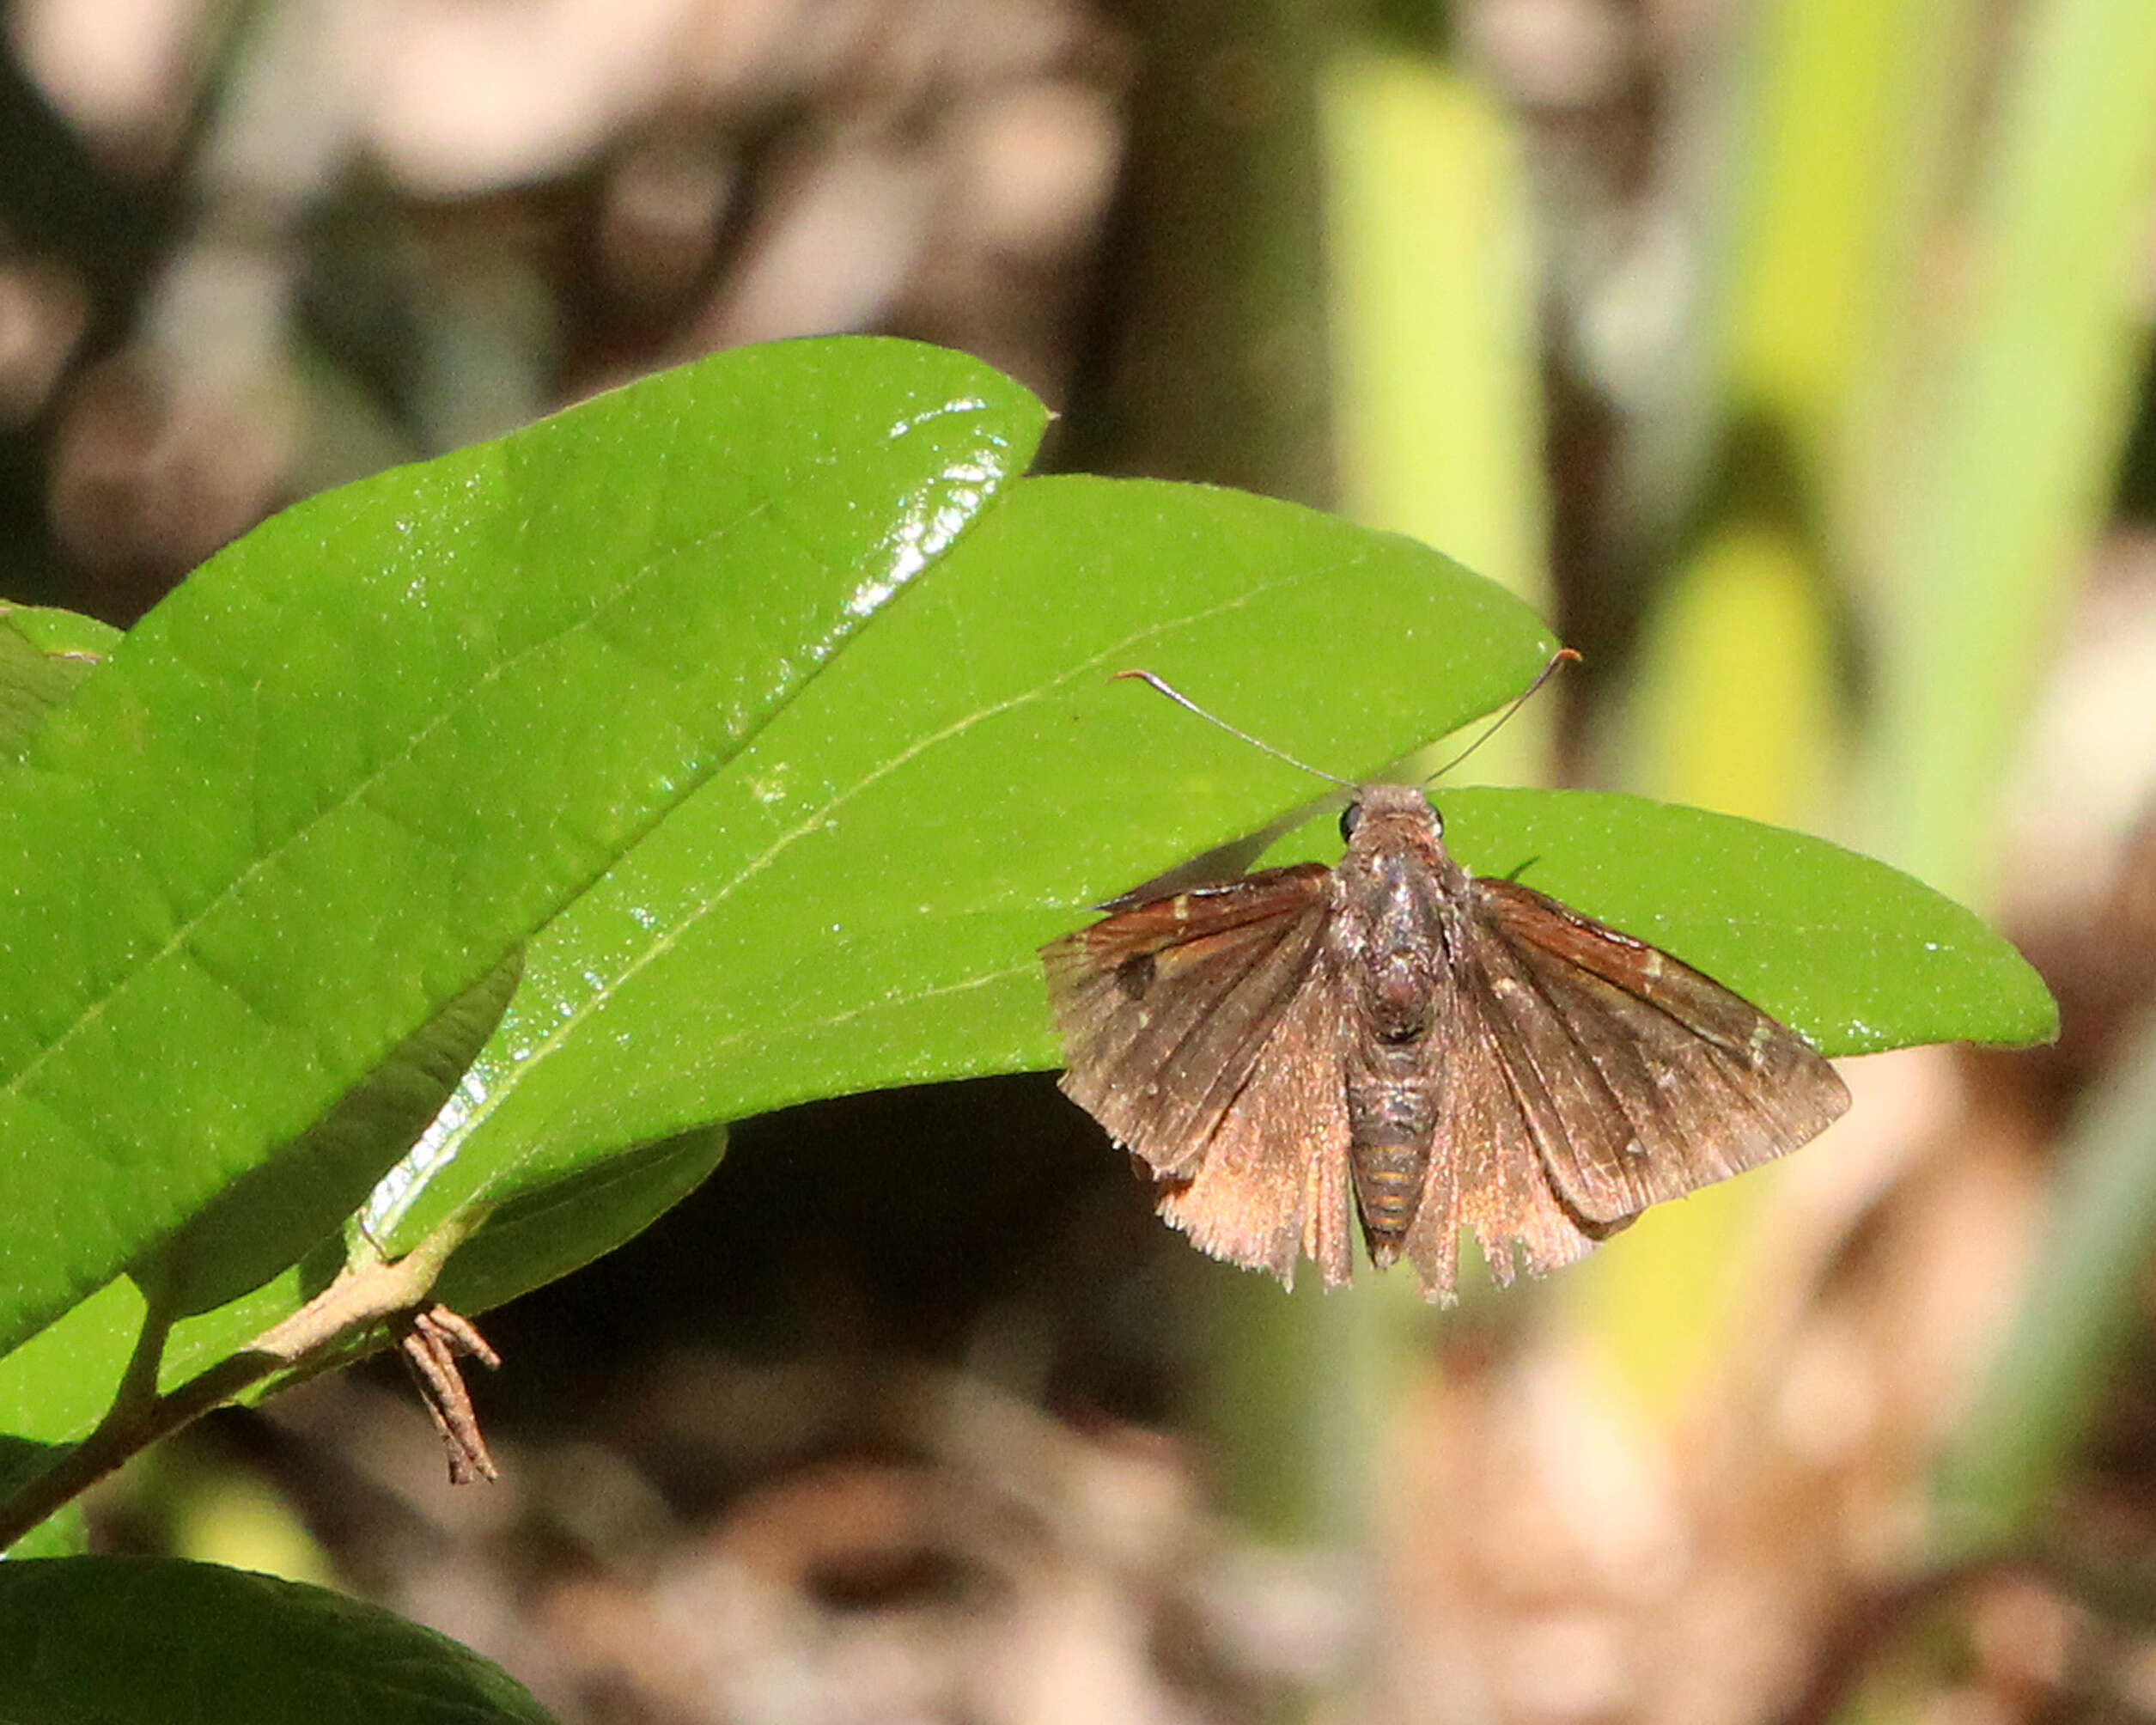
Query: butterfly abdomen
x=1388 y=1186
x=1391 y=1121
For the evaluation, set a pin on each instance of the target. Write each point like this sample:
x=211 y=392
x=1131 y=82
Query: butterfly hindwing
x=1640 y=1078
x=1272 y=1186
x=1484 y=1172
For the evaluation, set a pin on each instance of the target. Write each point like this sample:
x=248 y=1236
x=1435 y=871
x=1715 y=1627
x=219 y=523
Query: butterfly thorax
x=1398 y=892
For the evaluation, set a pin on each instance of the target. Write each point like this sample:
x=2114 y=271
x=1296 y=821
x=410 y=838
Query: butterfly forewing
x=1640 y=1078
x=1165 y=1006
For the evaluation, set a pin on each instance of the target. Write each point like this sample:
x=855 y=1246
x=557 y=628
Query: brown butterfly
x=1396 y=1042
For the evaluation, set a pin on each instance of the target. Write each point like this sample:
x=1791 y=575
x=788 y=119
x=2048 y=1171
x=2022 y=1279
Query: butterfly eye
x=1350 y=818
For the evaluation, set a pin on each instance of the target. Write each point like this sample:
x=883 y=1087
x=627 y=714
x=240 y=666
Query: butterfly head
x=1379 y=815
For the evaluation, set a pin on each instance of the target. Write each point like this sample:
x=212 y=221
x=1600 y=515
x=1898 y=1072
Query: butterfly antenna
x=1176 y=695
x=1525 y=695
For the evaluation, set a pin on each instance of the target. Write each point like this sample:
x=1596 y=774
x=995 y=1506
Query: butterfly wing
x=1200 y=1030
x=1272 y=1186
x=1484 y=1171
x=1638 y=1078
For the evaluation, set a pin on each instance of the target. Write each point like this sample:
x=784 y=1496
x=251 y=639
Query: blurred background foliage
x=1792 y=354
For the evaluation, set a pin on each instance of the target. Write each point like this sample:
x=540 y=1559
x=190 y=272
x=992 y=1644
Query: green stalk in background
x=2009 y=480
x=1813 y=124
x=2025 y=381
x=1435 y=338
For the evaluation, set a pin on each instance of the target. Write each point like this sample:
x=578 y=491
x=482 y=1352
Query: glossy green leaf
x=268 y=1218
x=1855 y=954
x=96 y=1640
x=973 y=816
x=856 y=900
x=363 y=751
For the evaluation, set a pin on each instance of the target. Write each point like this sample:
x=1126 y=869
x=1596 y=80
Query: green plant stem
x=137 y=1389
x=139 y=1416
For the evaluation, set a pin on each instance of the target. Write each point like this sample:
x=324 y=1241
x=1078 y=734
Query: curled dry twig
x=433 y=1339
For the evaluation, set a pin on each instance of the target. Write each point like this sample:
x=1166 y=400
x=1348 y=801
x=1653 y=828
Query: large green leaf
x=325 y=787
x=855 y=901
x=150 y=1641
x=955 y=789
